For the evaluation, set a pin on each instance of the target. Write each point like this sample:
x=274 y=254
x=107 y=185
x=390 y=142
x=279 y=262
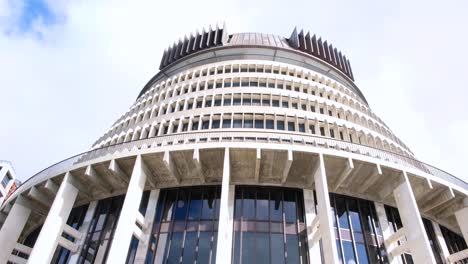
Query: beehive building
x=243 y=148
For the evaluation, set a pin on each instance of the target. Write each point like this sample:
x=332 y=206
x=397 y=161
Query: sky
x=69 y=69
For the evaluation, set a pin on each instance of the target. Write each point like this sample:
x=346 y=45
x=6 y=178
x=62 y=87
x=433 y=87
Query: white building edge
x=253 y=114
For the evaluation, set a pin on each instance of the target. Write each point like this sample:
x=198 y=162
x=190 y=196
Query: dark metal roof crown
x=306 y=43
x=321 y=50
x=197 y=42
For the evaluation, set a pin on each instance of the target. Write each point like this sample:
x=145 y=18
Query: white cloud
x=62 y=91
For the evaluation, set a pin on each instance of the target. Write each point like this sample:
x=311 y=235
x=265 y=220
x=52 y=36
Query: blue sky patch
x=34 y=10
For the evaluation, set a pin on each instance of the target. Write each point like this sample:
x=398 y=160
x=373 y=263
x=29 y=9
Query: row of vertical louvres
x=203 y=40
x=321 y=50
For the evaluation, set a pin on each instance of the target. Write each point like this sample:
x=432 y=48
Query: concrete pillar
x=441 y=241
x=325 y=216
x=462 y=219
x=226 y=214
x=386 y=230
x=52 y=229
x=416 y=236
x=126 y=225
x=140 y=255
x=83 y=229
x=12 y=228
x=310 y=214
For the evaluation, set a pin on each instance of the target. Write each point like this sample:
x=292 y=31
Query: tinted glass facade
x=185 y=226
x=101 y=230
x=454 y=242
x=359 y=233
x=269 y=226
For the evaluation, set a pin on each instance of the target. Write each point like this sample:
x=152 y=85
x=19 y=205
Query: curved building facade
x=243 y=148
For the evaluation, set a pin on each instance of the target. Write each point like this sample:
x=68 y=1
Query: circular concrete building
x=243 y=148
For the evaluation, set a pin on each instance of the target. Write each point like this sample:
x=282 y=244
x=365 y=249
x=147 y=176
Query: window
x=206 y=124
x=270 y=124
x=284 y=104
x=215 y=124
x=236 y=101
x=75 y=220
x=101 y=231
x=322 y=131
x=261 y=233
x=275 y=103
x=280 y=125
x=256 y=102
x=301 y=128
x=217 y=102
x=227 y=101
x=248 y=123
x=357 y=229
x=195 y=125
x=6 y=180
x=291 y=126
x=237 y=123
x=266 y=102
x=185 y=226
x=258 y=123
x=226 y=123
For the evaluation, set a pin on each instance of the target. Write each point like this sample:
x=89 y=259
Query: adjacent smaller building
x=8 y=180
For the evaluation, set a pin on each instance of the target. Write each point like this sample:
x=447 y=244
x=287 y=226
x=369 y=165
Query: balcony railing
x=254 y=136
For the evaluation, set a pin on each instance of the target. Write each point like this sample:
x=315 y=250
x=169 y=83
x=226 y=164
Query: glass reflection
x=185 y=226
x=359 y=237
x=269 y=226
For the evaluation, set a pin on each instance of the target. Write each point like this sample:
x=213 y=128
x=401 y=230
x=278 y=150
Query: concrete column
x=386 y=230
x=441 y=241
x=52 y=229
x=416 y=237
x=226 y=214
x=83 y=229
x=324 y=212
x=126 y=225
x=462 y=219
x=12 y=228
x=149 y=219
x=310 y=214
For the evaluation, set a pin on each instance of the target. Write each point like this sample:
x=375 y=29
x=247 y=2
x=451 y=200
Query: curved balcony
x=233 y=136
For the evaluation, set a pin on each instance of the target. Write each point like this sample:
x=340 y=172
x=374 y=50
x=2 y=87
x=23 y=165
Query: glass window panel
x=190 y=244
x=341 y=212
x=292 y=246
x=290 y=206
x=226 y=123
x=248 y=247
x=280 y=125
x=204 y=247
x=238 y=204
x=263 y=248
x=195 y=205
x=258 y=123
x=291 y=126
x=237 y=123
x=262 y=205
x=354 y=215
x=248 y=204
x=361 y=252
x=248 y=123
x=338 y=248
x=181 y=205
x=208 y=204
x=236 y=249
x=276 y=208
x=215 y=124
x=176 y=247
x=348 y=252
x=270 y=124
